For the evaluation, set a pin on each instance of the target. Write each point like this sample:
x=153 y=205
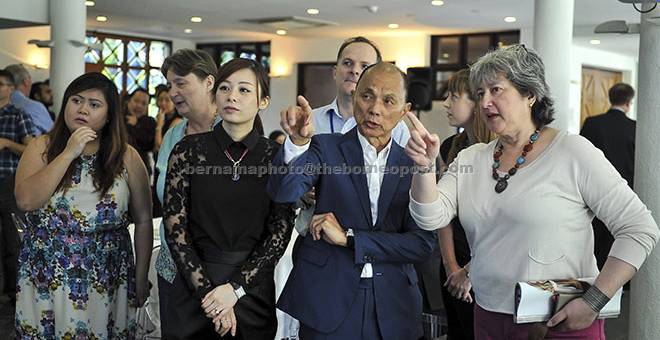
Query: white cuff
x=292 y=151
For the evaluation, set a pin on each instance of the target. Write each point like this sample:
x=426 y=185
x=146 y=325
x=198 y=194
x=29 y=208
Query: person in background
x=141 y=127
x=15 y=133
x=41 y=121
x=167 y=116
x=458 y=300
x=614 y=134
x=42 y=93
x=526 y=201
x=82 y=185
x=225 y=233
x=277 y=136
x=191 y=76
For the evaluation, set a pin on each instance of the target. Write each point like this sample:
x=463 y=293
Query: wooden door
x=595 y=85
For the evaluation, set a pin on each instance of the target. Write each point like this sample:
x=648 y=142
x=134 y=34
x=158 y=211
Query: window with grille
x=130 y=62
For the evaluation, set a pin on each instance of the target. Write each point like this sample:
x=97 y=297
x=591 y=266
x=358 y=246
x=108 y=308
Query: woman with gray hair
x=526 y=201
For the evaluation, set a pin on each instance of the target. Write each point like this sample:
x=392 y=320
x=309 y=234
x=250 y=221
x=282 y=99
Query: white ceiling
x=169 y=18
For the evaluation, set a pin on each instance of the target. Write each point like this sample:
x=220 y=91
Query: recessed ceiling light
x=510 y=19
x=101 y=18
x=437 y=2
x=281 y=32
x=594 y=42
x=196 y=19
x=393 y=26
x=313 y=11
x=90 y=3
x=187 y=30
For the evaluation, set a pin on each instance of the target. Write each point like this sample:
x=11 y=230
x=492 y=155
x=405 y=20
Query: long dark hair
x=263 y=89
x=110 y=157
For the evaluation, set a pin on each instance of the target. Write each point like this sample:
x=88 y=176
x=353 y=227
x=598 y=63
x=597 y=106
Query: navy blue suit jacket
x=324 y=280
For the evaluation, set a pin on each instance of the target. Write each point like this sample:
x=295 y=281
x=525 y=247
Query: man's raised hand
x=296 y=121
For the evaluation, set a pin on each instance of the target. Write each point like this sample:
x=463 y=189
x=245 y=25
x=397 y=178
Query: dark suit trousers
x=361 y=322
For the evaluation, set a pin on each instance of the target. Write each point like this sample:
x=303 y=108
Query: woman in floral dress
x=77 y=278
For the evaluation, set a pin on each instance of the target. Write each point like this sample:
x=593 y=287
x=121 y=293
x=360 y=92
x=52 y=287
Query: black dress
x=222 y=230
x=460 y=315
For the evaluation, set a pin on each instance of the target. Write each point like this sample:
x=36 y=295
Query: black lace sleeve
x=177 y=208
x=280 y=223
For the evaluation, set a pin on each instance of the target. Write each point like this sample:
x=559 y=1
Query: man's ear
x=263 y=103
x=334 y=72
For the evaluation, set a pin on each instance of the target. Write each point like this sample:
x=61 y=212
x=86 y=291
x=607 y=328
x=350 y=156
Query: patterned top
x=230 y=215
x=15 y=125
x=76 y=276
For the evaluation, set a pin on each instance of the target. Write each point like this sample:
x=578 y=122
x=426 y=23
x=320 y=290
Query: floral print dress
x=76 y=276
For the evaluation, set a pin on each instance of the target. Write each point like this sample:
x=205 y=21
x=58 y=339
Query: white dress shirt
x=374 y=162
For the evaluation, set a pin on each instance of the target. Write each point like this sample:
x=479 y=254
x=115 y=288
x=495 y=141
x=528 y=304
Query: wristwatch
x=350 y=239
x=238 y=290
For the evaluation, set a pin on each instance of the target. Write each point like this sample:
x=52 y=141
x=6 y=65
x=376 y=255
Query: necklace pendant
x=501 y=185
x=235 y=177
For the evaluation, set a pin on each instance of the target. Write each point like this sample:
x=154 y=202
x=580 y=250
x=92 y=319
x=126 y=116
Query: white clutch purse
x=538 y=301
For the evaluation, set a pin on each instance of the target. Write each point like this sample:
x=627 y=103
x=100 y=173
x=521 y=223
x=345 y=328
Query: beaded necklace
x=502 y=181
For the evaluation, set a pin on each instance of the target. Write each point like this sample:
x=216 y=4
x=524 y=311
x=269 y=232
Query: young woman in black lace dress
x=225 y=233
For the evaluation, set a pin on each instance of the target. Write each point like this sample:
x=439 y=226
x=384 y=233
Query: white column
x=553 y=40
x=67 y=22
x=645 y=287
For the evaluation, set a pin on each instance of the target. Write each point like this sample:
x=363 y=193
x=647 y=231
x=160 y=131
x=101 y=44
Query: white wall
x=582 y=56
x=14 y=49
x=35 y=11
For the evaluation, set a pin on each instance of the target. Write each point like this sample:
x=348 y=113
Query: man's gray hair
x=19 y=72
x=524 y=68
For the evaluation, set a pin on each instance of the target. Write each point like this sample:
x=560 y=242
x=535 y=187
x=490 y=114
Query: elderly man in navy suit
x=353 y=277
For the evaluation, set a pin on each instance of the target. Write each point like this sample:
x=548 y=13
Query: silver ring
x=216 y=311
